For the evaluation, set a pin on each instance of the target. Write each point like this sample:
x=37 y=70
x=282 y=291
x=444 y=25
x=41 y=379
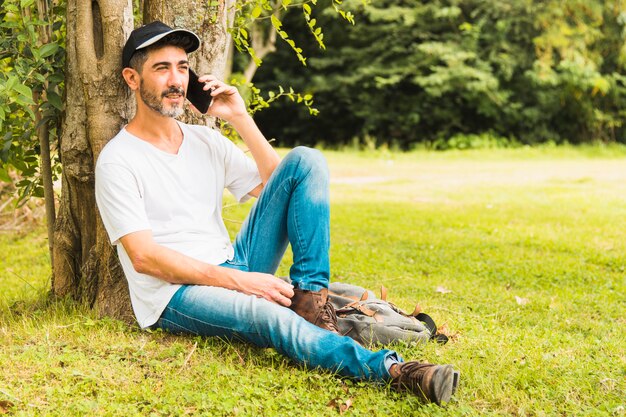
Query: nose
x=175 y=78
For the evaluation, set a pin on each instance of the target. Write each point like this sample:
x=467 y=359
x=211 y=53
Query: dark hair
x=141 y=55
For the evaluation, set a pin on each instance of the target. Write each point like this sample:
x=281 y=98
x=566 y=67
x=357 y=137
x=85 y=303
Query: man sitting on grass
x=159 y=186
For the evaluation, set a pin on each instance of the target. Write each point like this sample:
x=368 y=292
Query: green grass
x=529 y=242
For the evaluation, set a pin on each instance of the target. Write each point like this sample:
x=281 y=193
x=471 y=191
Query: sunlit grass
x=520 y=253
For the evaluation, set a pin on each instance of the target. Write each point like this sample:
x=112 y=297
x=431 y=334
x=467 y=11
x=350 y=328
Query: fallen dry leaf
x=5 y=406
x=340 y=405
x=442 y=290
x=344 y=407
x=443 y=329
x=521 y=301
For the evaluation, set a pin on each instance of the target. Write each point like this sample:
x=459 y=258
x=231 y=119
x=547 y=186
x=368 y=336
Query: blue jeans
x=293 y=208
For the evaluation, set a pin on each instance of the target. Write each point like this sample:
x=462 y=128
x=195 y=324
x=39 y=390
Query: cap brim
x=195 y=39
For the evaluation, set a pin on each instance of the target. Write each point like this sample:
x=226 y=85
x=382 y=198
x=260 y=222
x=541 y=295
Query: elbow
x=141 y=262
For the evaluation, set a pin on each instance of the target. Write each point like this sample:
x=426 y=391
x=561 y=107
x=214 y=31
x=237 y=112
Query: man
x=159 y=186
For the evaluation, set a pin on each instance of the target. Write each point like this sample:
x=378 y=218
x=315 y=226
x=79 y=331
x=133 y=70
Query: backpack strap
x=417 y=310
x=355 y=305
x=430 y=324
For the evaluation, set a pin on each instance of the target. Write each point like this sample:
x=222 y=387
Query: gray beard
x=156 y=104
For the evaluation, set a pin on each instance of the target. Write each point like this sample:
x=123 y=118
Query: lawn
x=520 y=255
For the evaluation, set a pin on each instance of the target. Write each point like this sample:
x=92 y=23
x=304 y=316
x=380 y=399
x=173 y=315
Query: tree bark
x=43 y=133
x=263 y=41
x=85 y=266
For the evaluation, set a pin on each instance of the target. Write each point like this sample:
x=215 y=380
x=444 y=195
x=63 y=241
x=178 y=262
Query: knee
x=309 y=160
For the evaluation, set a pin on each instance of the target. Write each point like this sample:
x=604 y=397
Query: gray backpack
x=370 y=320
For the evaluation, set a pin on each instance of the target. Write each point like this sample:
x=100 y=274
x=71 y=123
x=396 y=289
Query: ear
x=131 y=77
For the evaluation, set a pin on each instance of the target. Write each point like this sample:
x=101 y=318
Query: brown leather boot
x=434 y=383
x=315 y=307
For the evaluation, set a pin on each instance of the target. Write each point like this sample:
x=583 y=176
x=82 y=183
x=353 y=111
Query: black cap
x=152 y=33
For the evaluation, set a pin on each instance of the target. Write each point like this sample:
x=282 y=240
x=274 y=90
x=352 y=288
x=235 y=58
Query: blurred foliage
x=31 y=85
x=435 y=72
x=250 y=14
x=441 y=74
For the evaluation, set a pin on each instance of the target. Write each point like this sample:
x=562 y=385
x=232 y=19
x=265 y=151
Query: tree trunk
x=45 y=35
x=98 y=104
x=263 y=41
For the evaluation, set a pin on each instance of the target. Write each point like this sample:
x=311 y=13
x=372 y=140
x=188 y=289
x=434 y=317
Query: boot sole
x=455 y=382
x=442 y=384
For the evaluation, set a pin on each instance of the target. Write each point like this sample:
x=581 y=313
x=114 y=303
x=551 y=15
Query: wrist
x=240 y=120
x=232 y=278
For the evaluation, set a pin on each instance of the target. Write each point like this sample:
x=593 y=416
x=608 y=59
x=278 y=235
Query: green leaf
x=38 y=192
x=256 y=12
x=306 y=8
x=4 y=175
x=12 y=81
x=48 y=49
x=55 y=100
x=23 y=90
x=56 y=78
x=26 y=3
x=276 y=22
x=7 y=139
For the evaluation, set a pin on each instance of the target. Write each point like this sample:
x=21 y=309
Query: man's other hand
x=266 y=286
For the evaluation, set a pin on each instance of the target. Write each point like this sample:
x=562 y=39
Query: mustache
x=173 y=90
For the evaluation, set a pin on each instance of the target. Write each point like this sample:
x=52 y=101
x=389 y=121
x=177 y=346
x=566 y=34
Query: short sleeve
x=241 y=172
x=120 y=201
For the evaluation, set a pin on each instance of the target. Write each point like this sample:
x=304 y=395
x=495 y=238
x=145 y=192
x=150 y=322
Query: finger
x=207 y=78
x=281 y=299
x=287 y=291
x=223 y=89
x=283 y=286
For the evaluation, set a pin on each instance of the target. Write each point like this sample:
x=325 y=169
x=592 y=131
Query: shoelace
x=329 y=315
x=411 y=374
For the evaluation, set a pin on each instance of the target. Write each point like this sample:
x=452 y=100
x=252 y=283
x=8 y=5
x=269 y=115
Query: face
x=163 y=81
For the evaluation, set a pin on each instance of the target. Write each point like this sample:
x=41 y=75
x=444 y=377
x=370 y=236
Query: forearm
x=158 y=261
x=263 y=153
x=174 y=267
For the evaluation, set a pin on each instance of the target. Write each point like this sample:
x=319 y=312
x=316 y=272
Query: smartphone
x=200 y=98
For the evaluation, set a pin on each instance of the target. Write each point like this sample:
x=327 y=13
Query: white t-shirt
x=177 y=197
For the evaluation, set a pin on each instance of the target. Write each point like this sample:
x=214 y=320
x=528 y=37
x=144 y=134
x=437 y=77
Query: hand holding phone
x=200 y=98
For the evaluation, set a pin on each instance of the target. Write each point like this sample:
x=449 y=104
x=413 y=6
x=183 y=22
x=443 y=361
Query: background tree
x=457 y=74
